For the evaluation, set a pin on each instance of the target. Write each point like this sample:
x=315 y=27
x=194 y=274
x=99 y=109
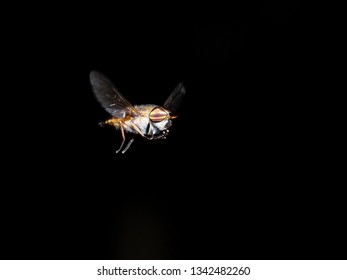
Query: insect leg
x=133 y=126
x=123 y=136
x=129 y=143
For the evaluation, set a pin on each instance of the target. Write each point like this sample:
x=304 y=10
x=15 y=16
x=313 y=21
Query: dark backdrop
x=242 y=174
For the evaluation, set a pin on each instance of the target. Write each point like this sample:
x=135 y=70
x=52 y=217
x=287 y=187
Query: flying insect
x=149 y=120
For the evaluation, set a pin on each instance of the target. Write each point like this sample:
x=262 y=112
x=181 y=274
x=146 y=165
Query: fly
x=149 y=120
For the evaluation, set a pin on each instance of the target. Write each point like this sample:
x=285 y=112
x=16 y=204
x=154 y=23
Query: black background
x=244 y=173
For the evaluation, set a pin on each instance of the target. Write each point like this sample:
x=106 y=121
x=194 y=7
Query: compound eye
x=158 y=114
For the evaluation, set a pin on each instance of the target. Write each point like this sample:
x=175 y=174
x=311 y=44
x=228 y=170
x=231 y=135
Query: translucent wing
x=173 y=102
x=109 y=97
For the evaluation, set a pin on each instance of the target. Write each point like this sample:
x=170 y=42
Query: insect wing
x=174 y=101
x=109 y=97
